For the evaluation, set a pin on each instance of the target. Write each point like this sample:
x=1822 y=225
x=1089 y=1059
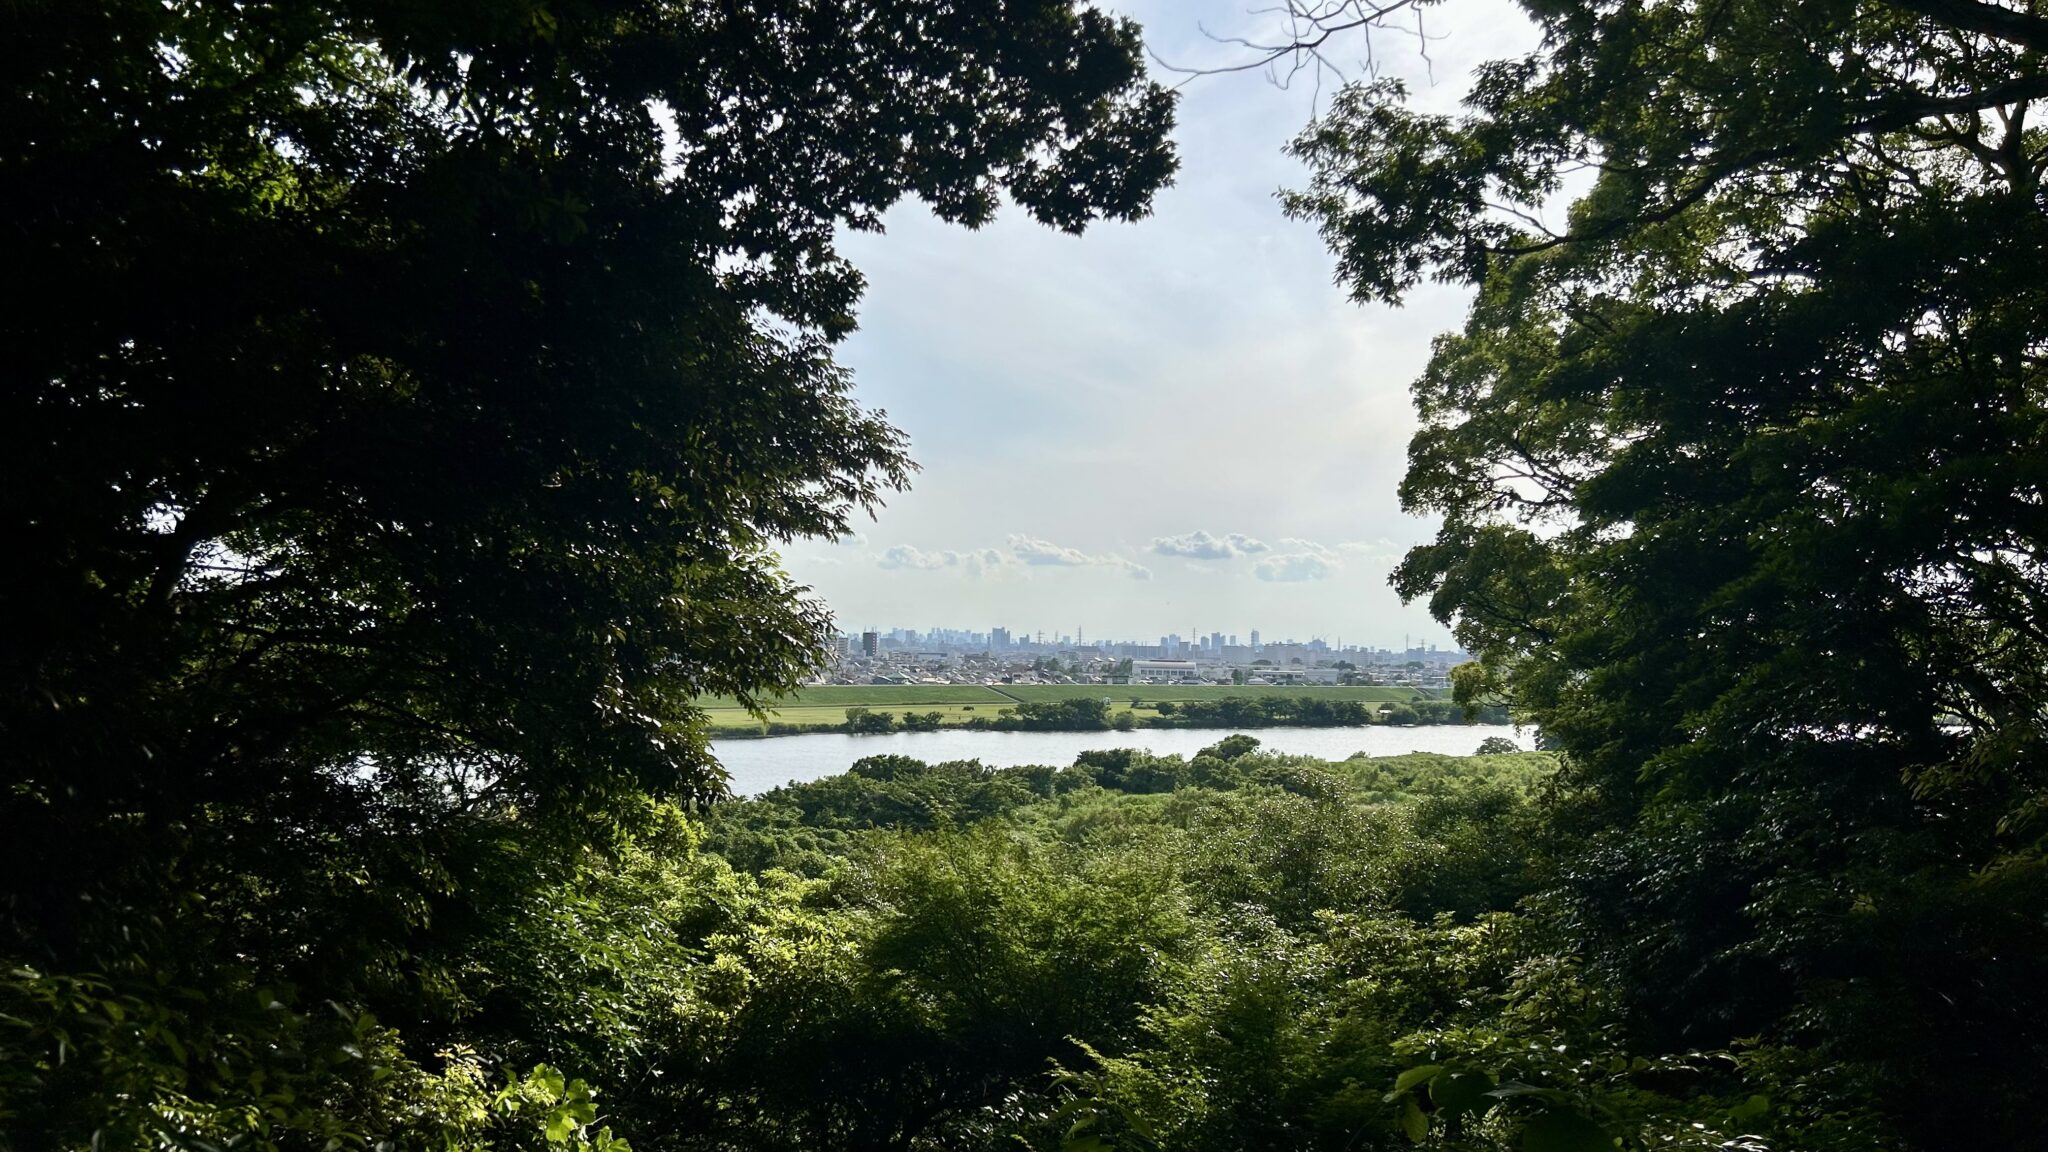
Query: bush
x=1077 y=715
x=1130 y=770
x=1231 y=747
x=862 y=722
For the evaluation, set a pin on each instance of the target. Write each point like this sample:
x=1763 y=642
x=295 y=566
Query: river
x=757 y=765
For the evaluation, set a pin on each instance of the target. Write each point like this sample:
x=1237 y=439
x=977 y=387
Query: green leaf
x=1560 y=1131
x=1413 y=1122
x=1751 y=1108
x=1461 y=1092
x=1414 y=1076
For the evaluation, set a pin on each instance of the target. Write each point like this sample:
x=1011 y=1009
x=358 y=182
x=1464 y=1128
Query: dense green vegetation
x=398 y=433
x=408 y=399
x=1741 y=480
x=1322 y=712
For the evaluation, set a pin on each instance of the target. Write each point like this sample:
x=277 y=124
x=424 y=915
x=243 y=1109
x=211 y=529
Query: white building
x=1293 y=674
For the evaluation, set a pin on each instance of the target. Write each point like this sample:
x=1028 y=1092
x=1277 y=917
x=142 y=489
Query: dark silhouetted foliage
x=398 y=431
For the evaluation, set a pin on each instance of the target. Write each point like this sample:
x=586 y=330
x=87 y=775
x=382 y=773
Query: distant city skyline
x=999 y=637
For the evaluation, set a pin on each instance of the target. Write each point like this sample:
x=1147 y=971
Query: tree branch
x=2020 y=28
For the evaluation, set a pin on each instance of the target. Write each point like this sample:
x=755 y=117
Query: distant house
x=1295 y=674
x=1169 y=670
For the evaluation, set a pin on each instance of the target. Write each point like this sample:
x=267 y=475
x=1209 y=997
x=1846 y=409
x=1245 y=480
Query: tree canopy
x=404 y=400
x=1741 y=476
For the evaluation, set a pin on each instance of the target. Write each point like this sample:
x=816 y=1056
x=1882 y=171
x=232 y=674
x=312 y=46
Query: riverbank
x=918 y=707
x=754 y=766
x=1087 y=709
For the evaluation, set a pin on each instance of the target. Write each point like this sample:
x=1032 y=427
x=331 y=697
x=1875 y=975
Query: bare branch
x=1307 y=32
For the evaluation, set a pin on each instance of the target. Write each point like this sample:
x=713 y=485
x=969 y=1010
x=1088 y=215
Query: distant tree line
x=1319 y=712
x=1084 y=714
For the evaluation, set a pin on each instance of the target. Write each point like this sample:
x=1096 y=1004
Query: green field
x=1154 y=693
x=827 y=704
x=958 y=703
x=836 y=713
x=878 y=696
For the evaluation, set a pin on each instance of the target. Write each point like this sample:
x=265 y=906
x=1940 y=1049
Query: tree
x=1496 y=746
x=1075 y=715
x=1231 y=747
x=1401 y=714
x=1715 y=459
x=867 y=722
x=397 y=436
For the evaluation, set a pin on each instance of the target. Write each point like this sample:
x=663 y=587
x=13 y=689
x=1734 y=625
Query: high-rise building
x=870 y=644
x=998 y=639
x=1255 y=639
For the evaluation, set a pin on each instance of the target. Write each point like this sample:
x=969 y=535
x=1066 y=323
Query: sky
x=1178 y=425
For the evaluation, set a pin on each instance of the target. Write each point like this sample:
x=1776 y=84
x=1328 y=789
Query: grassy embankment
x=825 y=706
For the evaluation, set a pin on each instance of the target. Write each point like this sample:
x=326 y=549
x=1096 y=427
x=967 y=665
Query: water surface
x=760 y=764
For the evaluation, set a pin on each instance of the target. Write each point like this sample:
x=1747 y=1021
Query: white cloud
x=1024 y=550
x=1131 y=568
x=1036 y=552
x=1044 y=553
x=1199 y=545
x=1383 y=550
x=1320 y=551
x=905 y=556
x=1290 y=567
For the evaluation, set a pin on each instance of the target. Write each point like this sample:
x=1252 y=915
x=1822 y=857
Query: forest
x=405 y=404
